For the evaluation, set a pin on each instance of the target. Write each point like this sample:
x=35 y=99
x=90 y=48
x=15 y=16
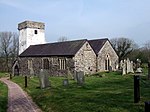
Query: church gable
x=107 y=58
x=85 y=59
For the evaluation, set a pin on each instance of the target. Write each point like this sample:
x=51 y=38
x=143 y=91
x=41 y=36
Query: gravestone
x=128 y=66
x=31 y=71
x=124 y=67
x=43 y=78
x=65 y=82
x=131 y=67
x=80 y=77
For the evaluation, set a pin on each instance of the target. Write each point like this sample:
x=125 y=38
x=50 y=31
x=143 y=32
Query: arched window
x=107 y=62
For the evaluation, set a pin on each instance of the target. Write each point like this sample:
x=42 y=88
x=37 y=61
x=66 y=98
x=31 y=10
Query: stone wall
x=85 y=59
x=107 y=52
x=37 y=65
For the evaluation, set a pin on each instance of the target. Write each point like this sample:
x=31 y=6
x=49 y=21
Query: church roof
x=67 y=48
x=97 y=44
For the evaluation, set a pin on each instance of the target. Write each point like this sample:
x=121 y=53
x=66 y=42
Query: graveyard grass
x=111 y=93
x=3 y=95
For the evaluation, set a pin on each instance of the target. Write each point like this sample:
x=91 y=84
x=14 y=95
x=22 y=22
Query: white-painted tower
x=30 y=33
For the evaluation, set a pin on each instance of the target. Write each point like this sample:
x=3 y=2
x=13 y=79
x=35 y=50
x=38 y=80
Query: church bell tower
x=30 y=33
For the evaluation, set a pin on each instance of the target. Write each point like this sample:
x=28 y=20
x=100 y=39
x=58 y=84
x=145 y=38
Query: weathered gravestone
x=80 y=77
x=128 y=66
x=131 y=67
x=124 y=67
x=43 y=78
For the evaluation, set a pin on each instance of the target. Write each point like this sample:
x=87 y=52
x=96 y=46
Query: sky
x=81 y=19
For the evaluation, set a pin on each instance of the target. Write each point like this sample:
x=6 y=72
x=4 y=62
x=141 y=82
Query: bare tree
x=147 y=49
x=62 y=39
x=15 y=46
x=8 y=46
x=123 y=46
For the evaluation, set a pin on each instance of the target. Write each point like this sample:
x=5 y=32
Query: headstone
x=124 y=68
x=128 y=66
x=31 y=71
x=131 y=67
x=80 y=77
x=43 y=78
x=65 y=82
x=110 y=69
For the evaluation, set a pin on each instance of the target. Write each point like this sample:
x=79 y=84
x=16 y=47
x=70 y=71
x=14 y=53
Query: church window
x=55 y=61
x=35 y=32
x=62 y=64
x=45 y=64
x=107 y=63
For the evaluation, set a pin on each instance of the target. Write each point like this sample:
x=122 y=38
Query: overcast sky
x=78 y=19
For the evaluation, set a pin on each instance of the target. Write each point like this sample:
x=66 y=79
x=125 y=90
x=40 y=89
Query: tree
x=15 y=46
x=147 y=50
x=123 y=46
x=8 y=46
x=62 y=39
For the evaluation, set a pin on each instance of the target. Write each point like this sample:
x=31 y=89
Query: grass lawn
x=3 y=95
x=112 y=93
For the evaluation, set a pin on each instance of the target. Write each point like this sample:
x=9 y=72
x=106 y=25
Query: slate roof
x=67 y=48
x=97 y=44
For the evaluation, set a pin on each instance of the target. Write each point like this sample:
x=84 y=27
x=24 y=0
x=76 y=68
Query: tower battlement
x=31 y=24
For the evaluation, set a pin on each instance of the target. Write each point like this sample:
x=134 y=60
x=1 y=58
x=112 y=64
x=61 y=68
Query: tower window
x=35 y=32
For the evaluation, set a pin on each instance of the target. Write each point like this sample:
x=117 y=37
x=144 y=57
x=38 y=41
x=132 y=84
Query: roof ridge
x=60 y=42
x=99 y=39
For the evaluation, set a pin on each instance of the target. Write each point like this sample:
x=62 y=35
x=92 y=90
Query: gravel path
x=18 y=100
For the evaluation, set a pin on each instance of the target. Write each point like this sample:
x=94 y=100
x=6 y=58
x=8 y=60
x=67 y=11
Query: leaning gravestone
x=43 y=78
x=80 y=77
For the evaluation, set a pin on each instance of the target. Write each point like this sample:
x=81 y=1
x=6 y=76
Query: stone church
x=58 y=58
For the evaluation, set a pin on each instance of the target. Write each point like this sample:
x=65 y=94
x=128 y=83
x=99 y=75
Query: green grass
x=3 y=97
x=3 y=74
x=111 y=93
